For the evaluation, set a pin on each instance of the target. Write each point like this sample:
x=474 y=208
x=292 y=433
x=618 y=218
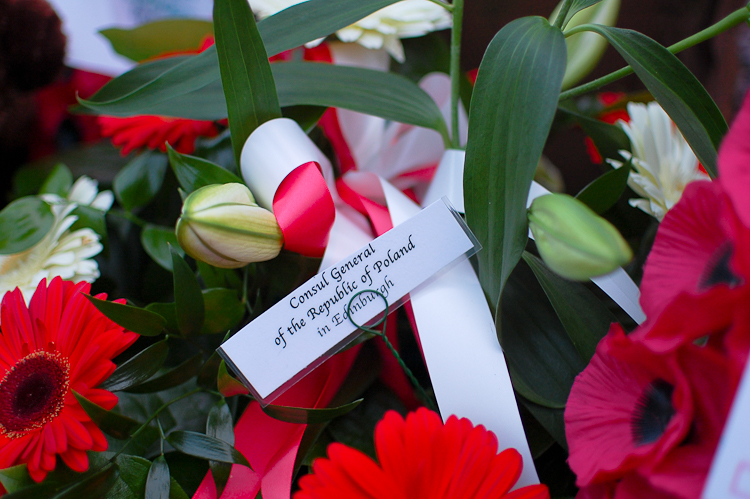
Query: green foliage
x=193 y=173
x=173 y=377
x=140 y=180
x=300 y=415
x=111 y=423
x=157 y=483
x=219 y=425
x=512 y=108
x=205 y=447
x=23 y=223
x=137 y=369
x=601 y=194
x=134 y=319
x=59 y=181
x=156 y=241
x=188 y=299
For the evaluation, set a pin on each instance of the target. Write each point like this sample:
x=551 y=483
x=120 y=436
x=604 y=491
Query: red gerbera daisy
x=155 y=132
x=61 y=343
x=420 y=458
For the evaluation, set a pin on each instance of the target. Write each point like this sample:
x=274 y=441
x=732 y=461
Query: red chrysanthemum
x=420 y=457
x=154 y=132
x=61 y=343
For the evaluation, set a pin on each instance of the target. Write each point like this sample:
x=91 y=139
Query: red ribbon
x=304 y=210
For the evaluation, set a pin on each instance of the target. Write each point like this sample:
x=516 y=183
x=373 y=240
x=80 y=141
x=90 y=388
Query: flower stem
x=560 y=19
x=154 y=415
x=728 y=22
x=458 y=15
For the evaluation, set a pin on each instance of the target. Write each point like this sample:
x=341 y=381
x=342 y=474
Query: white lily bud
x=222 y=226
x=574 y=241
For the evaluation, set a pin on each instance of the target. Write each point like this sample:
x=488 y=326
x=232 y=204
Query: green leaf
x=137 y=369
x=59 y=181
x=512 y=108
x=585 y=318
x=156 y=241
x=377 y=93
x=677 y=90
x=111 y=423
x=159 y=37
x=193 y=173
x=134 y=319
x=157 y=484
x=602 y=194
x=188 y=298
x=190 y=86
x=300 y=415
x=227 y=384
x=552 y=420
x=96 y=485
x=214 y=277
x=219 y=425
x=205 y=447
x=305 y=116
x=174 y=377
x=224 y=310
x=137 y=183
x=312 y=20
x=542 y=359
x=15 y=478
x=90 y=217
x=246 y=77
x=23 y=223
x=207 y=376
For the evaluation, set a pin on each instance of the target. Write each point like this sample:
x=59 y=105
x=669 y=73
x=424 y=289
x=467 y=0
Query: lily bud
x=222 y=226
x=574 y=241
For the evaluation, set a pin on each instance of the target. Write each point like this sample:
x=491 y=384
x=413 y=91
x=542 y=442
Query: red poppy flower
x=61 y=343
x=642 y=424
x=154 y=132
x=420 y=457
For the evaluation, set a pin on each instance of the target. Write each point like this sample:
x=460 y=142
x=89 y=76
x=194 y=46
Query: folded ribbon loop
x=288 y=175
x=304 y=209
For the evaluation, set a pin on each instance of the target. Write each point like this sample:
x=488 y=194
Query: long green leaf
x=245 y=71
x=23 y=223
x=575 y=7
x=609 y=139
x=585 y=318
x=139 y=368
x=300 y=415
x=512 y=108
x=198 y=76
x=137 y=183
x=677 y=90
x=220 y=425
x=134 y=319
x=111 y=423
x=189 y=308
x=94 y=486
x=157 y=483
x=378 y=93
x=193 y=172
x=59 y=181
x=174 y=377
x=205 y=447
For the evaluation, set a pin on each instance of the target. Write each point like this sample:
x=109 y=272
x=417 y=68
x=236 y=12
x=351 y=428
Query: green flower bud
x=574 y=241
x=222 y=226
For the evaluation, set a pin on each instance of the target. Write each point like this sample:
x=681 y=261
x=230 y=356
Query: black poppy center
x=33 y=392
x=652 y=413
x=718 y=271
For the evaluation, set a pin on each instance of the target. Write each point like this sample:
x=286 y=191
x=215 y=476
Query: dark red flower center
x=652 y=413
x=32 y=393
x=718 y=270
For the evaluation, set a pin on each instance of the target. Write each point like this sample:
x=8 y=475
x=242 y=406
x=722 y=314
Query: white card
x=310 y=324
x=729 y=477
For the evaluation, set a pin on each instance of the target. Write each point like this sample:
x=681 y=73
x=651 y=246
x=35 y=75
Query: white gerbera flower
x=62 y=252
x=381 y=29
x=663 y=160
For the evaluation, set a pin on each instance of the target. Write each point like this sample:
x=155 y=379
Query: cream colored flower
x=663 y=160
x=381 y=29
x=61 y=252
